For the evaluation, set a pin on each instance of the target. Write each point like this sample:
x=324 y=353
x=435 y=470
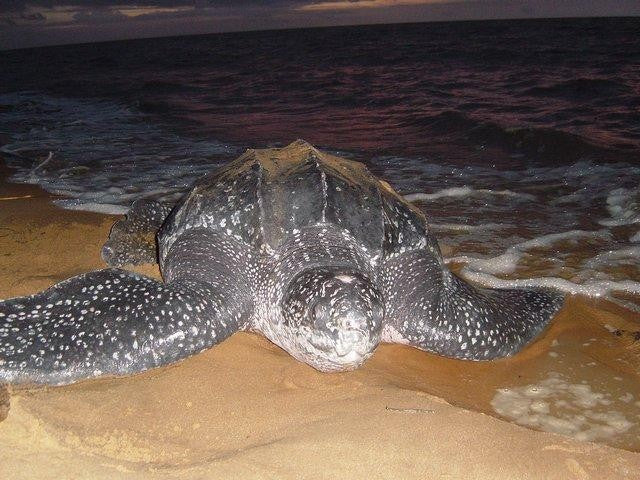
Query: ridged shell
x=266 y=195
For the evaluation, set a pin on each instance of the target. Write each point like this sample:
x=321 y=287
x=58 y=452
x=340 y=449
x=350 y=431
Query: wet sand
x=246 y=409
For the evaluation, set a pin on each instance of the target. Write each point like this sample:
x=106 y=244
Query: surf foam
x=593 y=277
x=464 y=192
x=555 y=405
x=624 y=206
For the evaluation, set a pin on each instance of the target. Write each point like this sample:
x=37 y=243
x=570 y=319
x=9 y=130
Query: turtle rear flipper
x=112 y=322
x=432 y=309
x=132 y=240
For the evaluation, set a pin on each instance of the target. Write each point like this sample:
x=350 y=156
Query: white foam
x=626 y=398
x=465 y=192
x=546 y=240
x=485 y=271
x=105 y=208
x=468 y=228
x=591 y=288
x=555 y=405
x=624 y=207
x=507 y=262
x=612 y=258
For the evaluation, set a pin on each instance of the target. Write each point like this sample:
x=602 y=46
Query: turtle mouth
x=345 y=345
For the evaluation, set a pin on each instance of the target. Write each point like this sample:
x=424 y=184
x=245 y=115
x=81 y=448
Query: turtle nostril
x=318 y=312
x=348 y=323
x=353 y=322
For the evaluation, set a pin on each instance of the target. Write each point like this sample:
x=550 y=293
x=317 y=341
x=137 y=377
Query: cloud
x=66 y=13
x=24 y=17
x=33 y=17
x=357 y=4
x=99 y=15
x=91 y=12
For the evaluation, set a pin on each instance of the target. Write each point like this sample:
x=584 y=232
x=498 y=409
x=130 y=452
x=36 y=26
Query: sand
x=245 y=409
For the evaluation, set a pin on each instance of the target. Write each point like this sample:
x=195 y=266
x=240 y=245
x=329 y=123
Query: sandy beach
x=246 y=409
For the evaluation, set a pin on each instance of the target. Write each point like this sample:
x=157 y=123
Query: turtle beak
x=352 y=341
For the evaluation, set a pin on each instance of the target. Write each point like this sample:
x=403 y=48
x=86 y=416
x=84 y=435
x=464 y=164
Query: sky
x=27 y=23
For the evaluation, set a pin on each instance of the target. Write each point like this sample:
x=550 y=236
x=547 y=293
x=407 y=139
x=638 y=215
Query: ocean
x=520 y=140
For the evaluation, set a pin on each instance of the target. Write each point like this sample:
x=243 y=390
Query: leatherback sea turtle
x=308 y=249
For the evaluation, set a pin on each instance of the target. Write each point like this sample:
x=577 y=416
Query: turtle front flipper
x=132 y=240
x=113 y=322
x=432 y=309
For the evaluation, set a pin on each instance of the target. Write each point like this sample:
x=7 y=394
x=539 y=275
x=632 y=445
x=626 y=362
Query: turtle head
x=333 y=316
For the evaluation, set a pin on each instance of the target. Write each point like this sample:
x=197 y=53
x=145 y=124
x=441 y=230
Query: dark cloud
x=22 y=18
x=21 y=5
x=19 y=13
x=32 y=17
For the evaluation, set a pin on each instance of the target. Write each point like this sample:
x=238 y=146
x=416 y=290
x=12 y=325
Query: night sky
x=45 y=22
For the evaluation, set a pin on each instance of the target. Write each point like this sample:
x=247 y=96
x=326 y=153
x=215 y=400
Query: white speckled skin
x=310 y=250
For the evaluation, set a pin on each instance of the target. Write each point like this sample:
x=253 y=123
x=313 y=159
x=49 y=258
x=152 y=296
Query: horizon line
x=319 y=27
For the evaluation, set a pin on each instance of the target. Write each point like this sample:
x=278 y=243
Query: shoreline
x=245 y=408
